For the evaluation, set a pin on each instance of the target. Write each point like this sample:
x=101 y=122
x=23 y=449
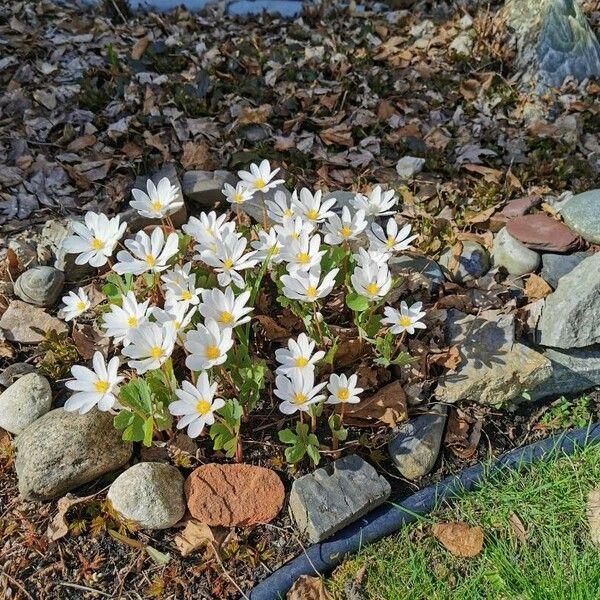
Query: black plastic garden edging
x=389 y=518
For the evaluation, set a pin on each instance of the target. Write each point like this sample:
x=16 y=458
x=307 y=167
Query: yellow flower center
x=390 y=242
x=187 y=295
x=301 y=362
x=150 y=260
x=405 y=321
x=228 y=263
x=177 y=325
x=213 y=352
x=210 y=231
x=238 y=198
x=299 y=399
x=373 y=289
x=226 y=317
x=295 y=235
x=97 y=244
x=311 y=291
x=346 y=232
x=102 y=386
x=157 y=206
x=81 y=305
x=313 y=214
x=260 y=183
x=303 y=258
x=203 y=407
x=343 y=394
x=156 y=352
x=288 y=212
x=132 y=322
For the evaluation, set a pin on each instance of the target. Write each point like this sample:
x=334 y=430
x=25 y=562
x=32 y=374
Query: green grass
x=557 y=561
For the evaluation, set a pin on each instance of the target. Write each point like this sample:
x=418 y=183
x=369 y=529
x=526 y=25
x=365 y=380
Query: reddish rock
x=541 y=232
x=234 y=495
x=513 y=209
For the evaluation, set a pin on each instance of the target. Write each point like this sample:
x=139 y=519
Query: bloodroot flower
x=407 y=319
x=196 y=405
x=94 y=388
x=147 y=253
x=75 y=304
x=160 y=201
x=208 y=345
x=298 y=392
x=343 y=389
x=151 y=345
x=260 y=177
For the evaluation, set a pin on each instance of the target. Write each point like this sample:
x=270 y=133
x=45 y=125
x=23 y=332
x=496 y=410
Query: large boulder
x=63 y=450
x=19 y=318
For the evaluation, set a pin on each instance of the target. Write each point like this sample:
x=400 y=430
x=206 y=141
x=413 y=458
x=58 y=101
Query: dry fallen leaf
x=88 y=340
x=58 y=526
x=256 y=116
x=518 y=527
x=593 y=514
x=197 y=535
x=459 y=538
x=537 y=288
x=340 y=134
x=272 y=329
x=139 y=48
x=196 y=156
x=387 y=406
x=463 y=433
x=449 y=359
x=308 y=588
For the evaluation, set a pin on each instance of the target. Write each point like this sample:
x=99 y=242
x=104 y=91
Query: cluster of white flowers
x=203 y=321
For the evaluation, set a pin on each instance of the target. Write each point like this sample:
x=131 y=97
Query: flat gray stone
x=63 y=450
x=40 y=285
x=334 y=496
x=205 y=187
x=415 y=447
x=25 y=401
x=571 y=316
x=555 y=266
x=407 y=265
x=18 y=318
x=409 y=166
x=149 y=493
x=473 y=262
x=582 y=215
x=14 y=371
x=343 y=199
x=513 y=255
x=573 y=371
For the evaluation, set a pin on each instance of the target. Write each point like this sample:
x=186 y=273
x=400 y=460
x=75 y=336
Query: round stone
x=25 y=401
x=14 y=371
x=582 y=214
x=40 y=286
x=514 y=256
x=149 y=493
x=473 y=262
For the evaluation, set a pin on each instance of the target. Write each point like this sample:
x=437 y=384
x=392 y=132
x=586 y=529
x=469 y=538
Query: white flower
x=260 y=177
x=298 y=357
x=122 y=320
x=147 y=253
x=224 y=308
x=228 y=258
x=177 y=315
x=372 y=280
x=349 y=227
x=371 y=258
x=407 y=319
x=208 y=345
x=161 y=200
x=304 y=285
x=196 y=405
x=298 y=392
x=390 y=240
x=311 y=206
x=98 y=387
x=343 y=389
x=268 y=245
x=280 y=207
x=180 y=285
x=238 y=194
x=302 y=254
x=207 y=229
x=376 y=204
x=151 y=345
x=75 y=304
x=291 y=228
x=96 y=240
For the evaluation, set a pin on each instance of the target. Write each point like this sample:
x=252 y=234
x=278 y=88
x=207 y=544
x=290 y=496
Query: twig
x=15 y=582
x=83 y=588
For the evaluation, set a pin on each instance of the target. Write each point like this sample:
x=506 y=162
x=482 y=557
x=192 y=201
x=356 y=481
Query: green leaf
x=356 y=302
x=148 y=431
x=287 y=436
x=295 y=453
x=137 y=395
x=160 y=558
x=314 y=454
x=123 y=419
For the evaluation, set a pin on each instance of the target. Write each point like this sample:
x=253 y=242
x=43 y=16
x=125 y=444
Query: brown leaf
x=58 y=526
x=85 y=141
x=348 y=352
x=593 y=514
x=459 y=538
x=196 y=156
x=489 y=174
x=13 y=262
x=273 y=330
x=308 y=588
x=197 y=535
x=340 y=134
x=463 y=434
x=387 y=406
x=518 y=527
x=257 y=116
x=537 y=288
x=449 y=359
x=139 y=48
x=88 y=340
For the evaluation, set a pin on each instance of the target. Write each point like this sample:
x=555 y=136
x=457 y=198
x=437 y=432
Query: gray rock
x=473 y=262
x=25 y=401
x=205 y=187
x=409 y=166
x=254 y=133
x=494 y=370
x=343 y=199
x=416 y=446
x=555 y=266
x=63 y=450
x=571 y=316
x=330 y=498
x=573 y=371
x=14 y=371
x=462 y=44
x=19 y=317
x=40 y=286
x=149 y=493
x=513 y=255
x=407 y=264
x=582 y=215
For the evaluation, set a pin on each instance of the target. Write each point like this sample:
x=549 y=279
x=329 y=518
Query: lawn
x=537 y=543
